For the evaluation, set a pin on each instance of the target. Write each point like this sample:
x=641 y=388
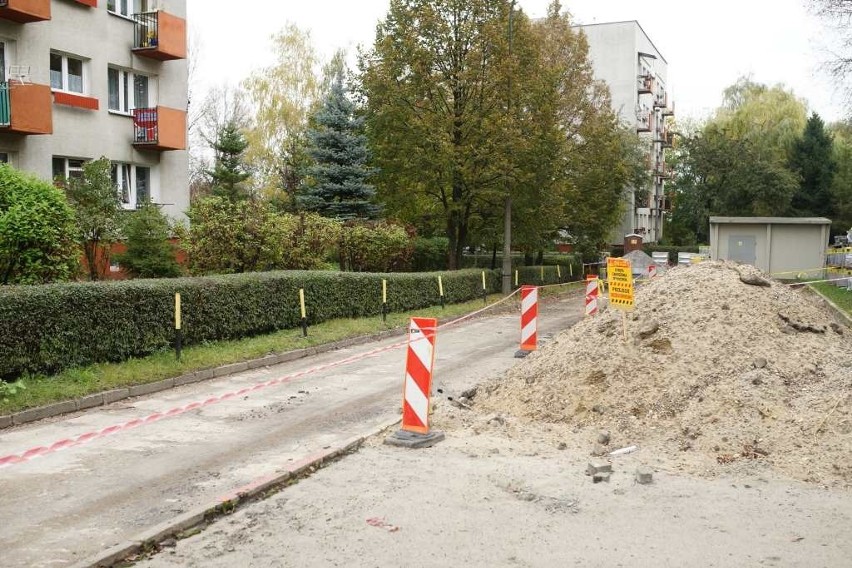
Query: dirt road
x=68 y=505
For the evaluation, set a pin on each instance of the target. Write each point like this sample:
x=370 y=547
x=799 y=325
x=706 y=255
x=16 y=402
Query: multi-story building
x=624 y=57
x=82 y=79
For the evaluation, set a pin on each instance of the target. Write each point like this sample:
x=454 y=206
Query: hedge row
x=44 y=329
x=618 y=250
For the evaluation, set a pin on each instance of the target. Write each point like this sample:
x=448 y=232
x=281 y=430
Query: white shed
x=782 y=246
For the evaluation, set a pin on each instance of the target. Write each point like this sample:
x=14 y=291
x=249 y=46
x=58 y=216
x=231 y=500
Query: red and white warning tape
x=32 y=453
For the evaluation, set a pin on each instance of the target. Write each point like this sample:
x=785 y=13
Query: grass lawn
x=840 y=296
x=77 y=382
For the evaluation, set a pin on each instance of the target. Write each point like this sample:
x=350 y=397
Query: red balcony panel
x=90 y=3
x=78 y=101
x=160 y=35
x=25 y=11
x=159 y=129
x=28 y=109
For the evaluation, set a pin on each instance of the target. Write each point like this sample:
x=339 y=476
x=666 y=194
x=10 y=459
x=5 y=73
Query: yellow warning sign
x=620 y=282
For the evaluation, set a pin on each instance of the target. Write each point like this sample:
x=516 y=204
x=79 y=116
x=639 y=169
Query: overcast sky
x=708 y=44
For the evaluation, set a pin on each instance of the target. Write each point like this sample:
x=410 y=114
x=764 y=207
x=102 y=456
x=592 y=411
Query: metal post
x=178 y=330
x=304 y=312
x=507 y=206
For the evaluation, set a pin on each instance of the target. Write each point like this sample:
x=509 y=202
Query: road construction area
x=711 y=426
x=157 y=457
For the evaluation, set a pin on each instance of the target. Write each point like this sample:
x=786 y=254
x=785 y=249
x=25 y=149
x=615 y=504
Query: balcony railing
x=5 y=105
x=645 y=83
x=159 y=35
x=25 y=109
x=644 y=122
x=25 y=11
x=159 y=129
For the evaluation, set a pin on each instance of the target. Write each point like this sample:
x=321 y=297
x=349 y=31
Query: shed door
x=742 y=249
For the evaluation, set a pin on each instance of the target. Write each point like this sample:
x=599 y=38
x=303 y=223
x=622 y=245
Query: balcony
x=159 y=35
x=661 y=99
x=662 y=171
x=645 y=84
x=159 y=129
x=644 y=122
x=25 y=109
x=25 y=11
x=669 y=110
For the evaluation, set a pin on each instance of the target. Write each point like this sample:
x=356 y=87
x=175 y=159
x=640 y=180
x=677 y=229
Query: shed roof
x=770 y=221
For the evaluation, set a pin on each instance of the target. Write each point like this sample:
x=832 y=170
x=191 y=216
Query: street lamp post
x=507 y=207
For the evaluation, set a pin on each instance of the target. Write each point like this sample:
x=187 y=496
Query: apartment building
x=626 y=59
x=81 y=79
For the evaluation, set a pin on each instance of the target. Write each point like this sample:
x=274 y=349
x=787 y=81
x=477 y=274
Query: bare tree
x=838 y=14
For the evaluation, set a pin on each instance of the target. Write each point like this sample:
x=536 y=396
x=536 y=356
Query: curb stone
x=42 y=412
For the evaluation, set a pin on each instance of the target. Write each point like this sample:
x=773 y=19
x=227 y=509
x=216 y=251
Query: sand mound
x=715 y=372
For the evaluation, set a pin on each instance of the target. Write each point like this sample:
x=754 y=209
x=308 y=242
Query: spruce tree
x=812 y=157
x=337 y=185
x=229 y=172
x=149 y=253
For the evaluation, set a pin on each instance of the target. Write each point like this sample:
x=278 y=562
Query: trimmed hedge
x=648 y=248
x=44 y=329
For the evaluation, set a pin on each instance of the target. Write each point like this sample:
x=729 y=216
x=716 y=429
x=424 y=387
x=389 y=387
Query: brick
x=598 y=467
x=5 y=421
x=90 y=401
x=644 y=476
x=42 y=412
x=140 y=390
x=115 y=395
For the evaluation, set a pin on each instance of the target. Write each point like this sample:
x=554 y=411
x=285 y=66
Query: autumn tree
x=281 y=97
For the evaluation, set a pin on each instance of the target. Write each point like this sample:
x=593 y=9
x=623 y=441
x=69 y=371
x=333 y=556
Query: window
x=67 y=167
x=133 y=183
x=67 y=73
x=128 y=90
x=127 y=8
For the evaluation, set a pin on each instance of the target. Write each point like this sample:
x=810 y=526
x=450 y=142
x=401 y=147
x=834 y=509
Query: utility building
x=786 y=247
x=625 y=58
x=81 y=79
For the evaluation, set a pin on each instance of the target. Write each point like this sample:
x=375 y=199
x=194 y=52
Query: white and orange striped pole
x=417 y=389
x=591 y=295
x=529 y=321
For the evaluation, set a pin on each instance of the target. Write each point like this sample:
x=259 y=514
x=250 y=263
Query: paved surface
x=69 y=505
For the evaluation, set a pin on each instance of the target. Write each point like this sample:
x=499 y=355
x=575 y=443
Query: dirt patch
x=716 y=374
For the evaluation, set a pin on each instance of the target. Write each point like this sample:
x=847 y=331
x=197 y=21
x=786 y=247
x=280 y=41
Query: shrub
x=37 y=231
x=49 y=328
x=149 y=253
x=375 y=247
x=430 y=254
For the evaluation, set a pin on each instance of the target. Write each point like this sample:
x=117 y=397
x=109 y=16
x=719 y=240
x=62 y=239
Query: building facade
x=84 y=79
x=624 y=57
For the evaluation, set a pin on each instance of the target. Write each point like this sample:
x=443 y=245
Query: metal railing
x=146 y=33
x=146 y=126
x=5 y=105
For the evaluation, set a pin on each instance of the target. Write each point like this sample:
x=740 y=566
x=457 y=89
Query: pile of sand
x=715 y=373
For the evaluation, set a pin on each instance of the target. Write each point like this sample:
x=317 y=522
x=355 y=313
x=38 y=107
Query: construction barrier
x=418 y=375
x=529 y=319
x=592 y=292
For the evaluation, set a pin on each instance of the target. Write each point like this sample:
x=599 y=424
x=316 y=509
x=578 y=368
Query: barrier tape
x=32 y=453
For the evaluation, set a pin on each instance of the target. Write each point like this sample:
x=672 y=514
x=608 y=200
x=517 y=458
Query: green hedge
x=618 y=250
x=44 y=329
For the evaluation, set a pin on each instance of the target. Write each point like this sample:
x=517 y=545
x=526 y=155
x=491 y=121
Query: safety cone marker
x=417 y=389
x=591 y=295
x=529 y=321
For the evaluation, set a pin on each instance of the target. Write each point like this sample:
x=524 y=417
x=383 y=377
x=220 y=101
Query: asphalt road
x=69 y=505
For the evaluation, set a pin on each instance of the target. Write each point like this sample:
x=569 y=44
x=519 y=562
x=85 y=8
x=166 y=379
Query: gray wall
x=784 y=250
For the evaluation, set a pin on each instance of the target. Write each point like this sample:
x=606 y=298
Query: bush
x=49 y=328
x=149 y=253
x=375 y=247
x=37 y=231
x=618 y=250
x=430 y=254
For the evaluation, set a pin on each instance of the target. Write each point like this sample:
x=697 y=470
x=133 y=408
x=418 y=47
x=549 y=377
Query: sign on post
x=620 y=283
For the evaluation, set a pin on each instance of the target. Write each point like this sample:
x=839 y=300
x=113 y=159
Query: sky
x=708 y=44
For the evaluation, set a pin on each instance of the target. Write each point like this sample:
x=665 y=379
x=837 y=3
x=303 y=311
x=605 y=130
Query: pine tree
x=337 y=184
x=812 y=157
x=229 y=172
x=149 y=253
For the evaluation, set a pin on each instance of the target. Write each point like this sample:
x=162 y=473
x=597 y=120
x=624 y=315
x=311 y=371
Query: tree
x=812 y=158
x=229 y=173
x=338 y=185
x=38 y=241
x=149 y=253
x=841 y=186
x=282 y=96
x=97 y=208
x=838 y=13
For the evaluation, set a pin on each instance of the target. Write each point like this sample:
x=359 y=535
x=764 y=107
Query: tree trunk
x=539 y=260
x=90 y=248
x=494 y=257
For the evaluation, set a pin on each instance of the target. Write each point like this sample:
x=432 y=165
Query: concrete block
x=90 y=401
x=601 y=477
x=42 y=412
x=598 y=467
x=264 y=362
x=140 y=390
x=195 y=377
x=5 y=421
x=115 y=395
x=644 y=476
